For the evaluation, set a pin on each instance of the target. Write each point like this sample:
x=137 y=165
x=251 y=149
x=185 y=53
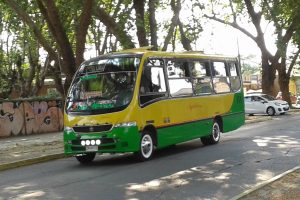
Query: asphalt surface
x=244 y=158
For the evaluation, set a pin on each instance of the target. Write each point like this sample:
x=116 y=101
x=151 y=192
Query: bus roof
x=149 y=53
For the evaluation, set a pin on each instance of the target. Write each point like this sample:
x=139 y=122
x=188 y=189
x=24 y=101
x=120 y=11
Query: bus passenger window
x=153 y=84
x=220 y=78
x=234 y=78
x=177 y=69
x=201 y=77
x=179 y=78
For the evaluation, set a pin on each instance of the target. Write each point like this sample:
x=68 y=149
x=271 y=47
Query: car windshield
x=268 y=97
x=103 y=86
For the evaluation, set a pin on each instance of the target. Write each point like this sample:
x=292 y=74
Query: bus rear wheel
x=214 y=137
x=86 y=158
x=146 y=147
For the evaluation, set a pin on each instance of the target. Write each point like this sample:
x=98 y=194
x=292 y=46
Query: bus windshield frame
x=103 y=85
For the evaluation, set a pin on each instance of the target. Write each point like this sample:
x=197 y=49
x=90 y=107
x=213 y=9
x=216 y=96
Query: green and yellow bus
x=138 y=101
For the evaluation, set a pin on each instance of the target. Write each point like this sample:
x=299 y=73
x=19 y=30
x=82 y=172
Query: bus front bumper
x=118 y=140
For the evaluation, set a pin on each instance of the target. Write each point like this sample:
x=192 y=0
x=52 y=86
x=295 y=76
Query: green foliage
x=248 y=69
x=23 y=45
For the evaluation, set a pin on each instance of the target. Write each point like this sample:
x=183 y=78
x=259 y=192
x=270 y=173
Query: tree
x=108 y=25
x=176 y=7
x=286 y=26
x=50 y=12
x=116 y=28
x=20 y=61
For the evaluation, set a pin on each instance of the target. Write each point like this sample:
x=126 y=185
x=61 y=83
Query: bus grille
x=92 y=129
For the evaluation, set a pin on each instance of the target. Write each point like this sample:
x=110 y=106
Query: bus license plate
x=91 y=148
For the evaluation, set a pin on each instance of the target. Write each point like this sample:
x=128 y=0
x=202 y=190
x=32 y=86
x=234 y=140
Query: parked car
x=263 y=103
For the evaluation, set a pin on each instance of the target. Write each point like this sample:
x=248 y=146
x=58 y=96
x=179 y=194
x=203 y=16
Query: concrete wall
x=27 y=117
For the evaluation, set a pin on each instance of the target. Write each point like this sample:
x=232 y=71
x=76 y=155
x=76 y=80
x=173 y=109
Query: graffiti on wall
x=30 y=117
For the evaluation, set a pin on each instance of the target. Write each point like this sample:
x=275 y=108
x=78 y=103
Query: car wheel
x=86 y=158
x=270 y=111
x=215 y=136
x=146 y=147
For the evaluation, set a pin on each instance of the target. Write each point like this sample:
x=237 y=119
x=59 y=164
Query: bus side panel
x=236 y=117
x=183 y=132
x=233 y=121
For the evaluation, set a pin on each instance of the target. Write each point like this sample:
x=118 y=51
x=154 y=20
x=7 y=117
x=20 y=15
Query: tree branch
x=114 y=28
x=186 y=43
x=26 y=18
x=232 y=24
x=233 y=12
x=286 y=38
x=174 y=22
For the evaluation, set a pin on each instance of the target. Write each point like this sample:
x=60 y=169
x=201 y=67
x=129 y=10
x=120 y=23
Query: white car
x=264 y=104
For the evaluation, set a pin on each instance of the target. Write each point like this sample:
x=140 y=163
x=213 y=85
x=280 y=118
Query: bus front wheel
x=214 y=137
x=146 y=147
x=86 y=158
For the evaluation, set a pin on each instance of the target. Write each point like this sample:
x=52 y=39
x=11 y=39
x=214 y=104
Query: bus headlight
x=125 y=124
x=98 y=142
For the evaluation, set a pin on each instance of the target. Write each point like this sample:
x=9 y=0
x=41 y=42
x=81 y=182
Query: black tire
x=146 y=147
x=86 y=158
x=214 y=137
x=270 y=111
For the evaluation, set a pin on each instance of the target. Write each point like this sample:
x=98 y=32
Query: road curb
x=31 y=161
x=260 y=185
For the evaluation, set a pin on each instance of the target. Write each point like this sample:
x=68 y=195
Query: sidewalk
x=27 y=150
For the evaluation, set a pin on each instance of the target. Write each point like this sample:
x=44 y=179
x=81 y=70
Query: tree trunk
x=104 y=45
x=58 y=80
x=19 y=62
x=186 y=43
x=33 y=61
x=139 y=6
x=153 y=24
x=268 y=77
x=41 y=75
x=56 y=27
x=82 y=29
x=284 y=81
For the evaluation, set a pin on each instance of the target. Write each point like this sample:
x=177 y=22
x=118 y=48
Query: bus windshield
x=103 y=86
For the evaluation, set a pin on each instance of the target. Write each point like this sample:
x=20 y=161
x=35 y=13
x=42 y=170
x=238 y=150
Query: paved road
x=242 y=159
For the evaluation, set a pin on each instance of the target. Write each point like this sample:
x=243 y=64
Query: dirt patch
x=285 y=188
